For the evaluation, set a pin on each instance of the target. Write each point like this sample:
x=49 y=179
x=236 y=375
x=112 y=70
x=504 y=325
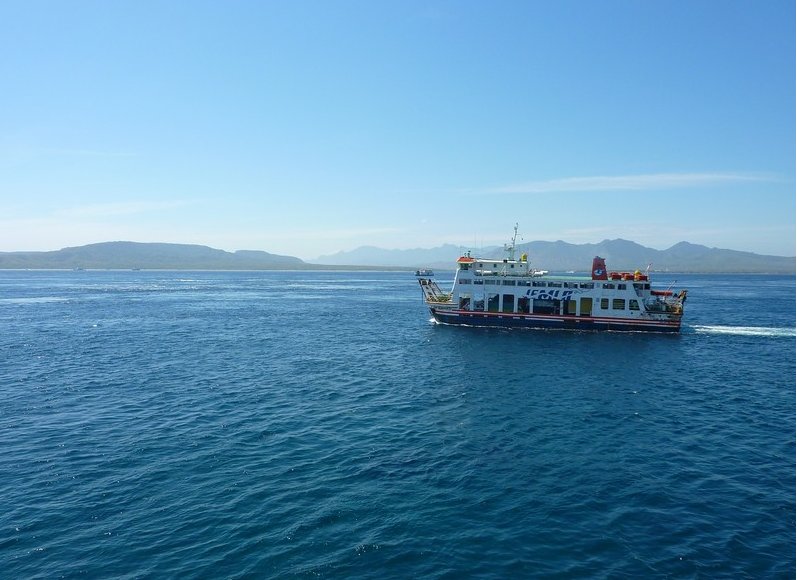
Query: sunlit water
x=317 y=424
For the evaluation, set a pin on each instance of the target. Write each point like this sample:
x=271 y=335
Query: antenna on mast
x=510 y=248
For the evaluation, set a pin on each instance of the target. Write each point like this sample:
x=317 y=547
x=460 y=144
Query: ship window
x=492 y=303
x=621 y=286
x=633 y=305
x=509 y=282
x=618 y=304
x=604 y=303
x=464 y=281
x=511 y=265
x=546 y=306
x=523 y=283
x=555 y=284
x=647 y=286
x=608 y=286
x=478 y=281
x=588 y=286
x=539 y=284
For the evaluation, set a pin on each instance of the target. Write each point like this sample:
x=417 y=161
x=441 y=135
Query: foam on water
x=746 y=331
x=33 y=300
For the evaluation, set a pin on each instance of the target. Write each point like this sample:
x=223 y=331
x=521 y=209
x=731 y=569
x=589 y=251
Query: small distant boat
x=510 y=293
x=424 y=272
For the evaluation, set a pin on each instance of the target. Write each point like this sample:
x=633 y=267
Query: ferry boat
x=510 y=293
x=424 y=272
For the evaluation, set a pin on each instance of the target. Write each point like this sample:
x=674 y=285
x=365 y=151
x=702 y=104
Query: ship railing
x=669 y=306
x=508 y=273
x=432 y=293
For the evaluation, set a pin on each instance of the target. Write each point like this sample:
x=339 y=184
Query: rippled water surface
x=318 y=424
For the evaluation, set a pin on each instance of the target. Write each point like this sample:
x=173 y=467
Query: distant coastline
x=159 y=256
x=554 y=256
x=561 y=256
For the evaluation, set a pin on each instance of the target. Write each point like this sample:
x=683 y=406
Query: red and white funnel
x=599 y=269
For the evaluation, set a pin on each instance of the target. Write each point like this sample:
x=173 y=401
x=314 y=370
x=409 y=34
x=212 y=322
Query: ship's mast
x=510 y=248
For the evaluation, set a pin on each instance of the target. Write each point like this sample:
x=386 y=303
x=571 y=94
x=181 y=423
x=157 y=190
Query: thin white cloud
x=79 y=152
x=103 y=210
x=327 y=234
x=645 y=182
x=15 y=153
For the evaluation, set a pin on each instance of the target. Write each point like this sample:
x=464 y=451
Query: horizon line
x=310 y=260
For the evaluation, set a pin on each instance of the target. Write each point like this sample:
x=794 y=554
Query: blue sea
x=318 y=424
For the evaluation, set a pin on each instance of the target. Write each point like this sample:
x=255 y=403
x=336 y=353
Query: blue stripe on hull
x=558 y=322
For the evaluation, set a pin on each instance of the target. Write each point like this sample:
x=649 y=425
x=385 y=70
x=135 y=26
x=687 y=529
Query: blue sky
x=305 y=128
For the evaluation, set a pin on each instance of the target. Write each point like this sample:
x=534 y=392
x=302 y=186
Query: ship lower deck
x=515 y=320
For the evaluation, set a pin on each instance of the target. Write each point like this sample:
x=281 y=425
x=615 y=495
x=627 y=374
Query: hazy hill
x=372 y=256
x=128 y=255
x=554 y=256
x=561 y=256
x=626 y=255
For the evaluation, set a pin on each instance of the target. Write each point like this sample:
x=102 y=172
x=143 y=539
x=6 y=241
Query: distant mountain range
x=440 y=257
x=130 y=255
x=561 y=257
x=553 y=256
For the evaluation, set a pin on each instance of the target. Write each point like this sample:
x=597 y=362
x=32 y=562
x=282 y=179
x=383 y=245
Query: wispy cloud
x=102 y=210
x=328 y=234
x=644 y=182
x=83 y=152
x=16 y=153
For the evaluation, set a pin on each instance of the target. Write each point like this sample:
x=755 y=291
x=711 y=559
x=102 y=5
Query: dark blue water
x=317 y=424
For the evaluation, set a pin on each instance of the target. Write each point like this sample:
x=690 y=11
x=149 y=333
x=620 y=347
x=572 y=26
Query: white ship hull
x=509 y=293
